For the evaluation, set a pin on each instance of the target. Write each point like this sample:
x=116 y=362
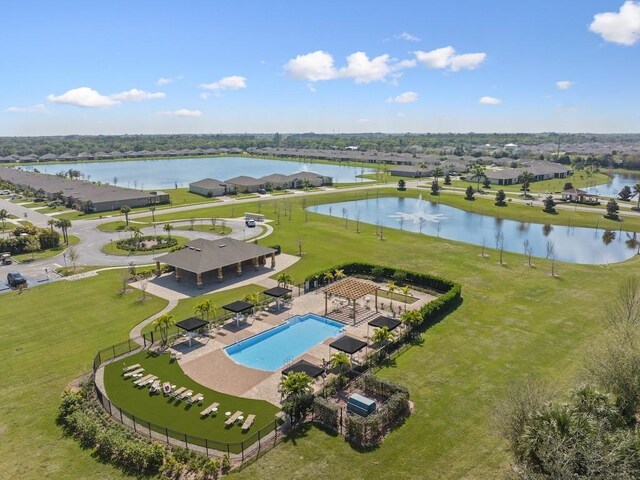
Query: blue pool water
x=271 y=350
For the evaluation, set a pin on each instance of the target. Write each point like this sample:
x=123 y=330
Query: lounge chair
x=178 y=392
x=155 y=386
x=186 y=395
x=198 y=397
x=232 y=419
x=148 y=381
x=131 y=367
x=167 y=388
x=142 y=379
x=248 y=422
x=133 y=373
x=213 y=408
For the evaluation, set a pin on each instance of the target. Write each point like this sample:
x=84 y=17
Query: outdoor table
x=227 y=414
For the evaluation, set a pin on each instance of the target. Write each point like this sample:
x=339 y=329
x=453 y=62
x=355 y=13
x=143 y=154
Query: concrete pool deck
x=207 y=363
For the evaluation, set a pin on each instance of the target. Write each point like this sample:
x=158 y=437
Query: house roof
x=201 y=255
x=208 y=183
x=244 y=181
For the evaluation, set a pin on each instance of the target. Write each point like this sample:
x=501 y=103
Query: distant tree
x=469 y=192
x=636 y=191
x=192 y=222
x=434 y=188
x=167 y=228
x=4 y=214
x=526 y=178
x=64 y=225
x=477 y=171
x=437 y=173
x=568 y=186
x=486 y=183
x=549 y=204
x=73 y=256
x=152 y=209
x=125 y=211
x=500 y=198
x=204 y=309
x=625 y=193
x=401 y=184
x=447 y=179
x=32 y=245
x=612 y=210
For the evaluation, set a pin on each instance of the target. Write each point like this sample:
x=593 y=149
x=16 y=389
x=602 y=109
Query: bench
x=248 y=422
x=232 y=419
x=210 y=409
x=142 y=379
x=198 y=397
x=131 y=367
x=133 y=373
x=178 y=392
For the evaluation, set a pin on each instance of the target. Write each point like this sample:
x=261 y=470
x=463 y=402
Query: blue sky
x=232 y=67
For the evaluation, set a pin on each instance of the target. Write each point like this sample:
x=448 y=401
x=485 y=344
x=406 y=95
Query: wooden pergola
x=352 y=290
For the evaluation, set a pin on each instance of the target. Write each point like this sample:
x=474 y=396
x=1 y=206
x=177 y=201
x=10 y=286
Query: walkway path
x=137 y=330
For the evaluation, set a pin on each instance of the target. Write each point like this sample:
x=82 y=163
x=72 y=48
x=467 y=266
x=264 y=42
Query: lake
x=570 y=244
x=618 y=180
x=165 y=174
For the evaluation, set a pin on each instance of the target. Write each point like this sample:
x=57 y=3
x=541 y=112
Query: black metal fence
x=261 y=440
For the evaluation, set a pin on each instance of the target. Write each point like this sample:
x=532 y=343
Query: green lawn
x=177 y=415
x=111 y=248
x=54 y=333
x=203 y=227
x=185 y=306
x=51 y=252
x=514 y=320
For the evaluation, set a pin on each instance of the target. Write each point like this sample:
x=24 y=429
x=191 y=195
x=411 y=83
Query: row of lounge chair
x=182 y=393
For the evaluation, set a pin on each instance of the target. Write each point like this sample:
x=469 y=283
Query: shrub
x=469 y=192
x=140 y=245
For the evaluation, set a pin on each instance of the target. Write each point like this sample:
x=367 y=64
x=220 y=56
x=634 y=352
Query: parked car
x=15 y=279
x=250 y=223
x=5 y=192
x=262 y=191
x=5 y=259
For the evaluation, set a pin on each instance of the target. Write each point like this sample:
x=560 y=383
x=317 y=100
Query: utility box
x=360 y=405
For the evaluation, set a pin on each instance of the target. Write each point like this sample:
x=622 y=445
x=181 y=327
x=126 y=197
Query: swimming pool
x=272 y=349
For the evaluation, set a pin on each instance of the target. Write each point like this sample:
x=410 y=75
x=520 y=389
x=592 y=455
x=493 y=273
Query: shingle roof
x=208 y=183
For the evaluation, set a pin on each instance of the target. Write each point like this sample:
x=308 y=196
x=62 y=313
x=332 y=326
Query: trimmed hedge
x=450 y=292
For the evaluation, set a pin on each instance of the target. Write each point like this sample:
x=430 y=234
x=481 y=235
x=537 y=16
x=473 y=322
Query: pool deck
x=207 y=363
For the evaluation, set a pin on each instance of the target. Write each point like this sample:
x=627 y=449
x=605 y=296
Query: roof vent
x=198 y=249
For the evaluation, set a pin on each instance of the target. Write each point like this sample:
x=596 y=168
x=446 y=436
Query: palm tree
x=411 y=318
x=153 y=214
x=163 y=323
x=437 y=173
x=64 y=225
x=3 y=217
x=284 y=280
x=204 y=309
x=405 y=292
x=125 y=211
x=295 y=384
x=338 y=274
x=328 y=276
x=526 y=178
x=51 y=222
x=167 y=228
x=391 y=288
x=382 y=335
x=478 y=171
x=636 y=191
x=341 y=362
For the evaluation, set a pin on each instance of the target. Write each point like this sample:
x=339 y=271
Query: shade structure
x=277 y=292
x=306 y=367
x=348 y=344
x=191 y=324
x=238 y=306
x=351 y=288
x=382 y=321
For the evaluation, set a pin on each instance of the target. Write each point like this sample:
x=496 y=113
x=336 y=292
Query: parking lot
x=35 y=274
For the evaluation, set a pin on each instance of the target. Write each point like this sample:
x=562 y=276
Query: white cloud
x=409 y=37
x=233 y=82
x=406 y=97
x=564 y=84
x=468 y=61
x=164 y=81
x=83 y=97
x=402 y=64
x=490 y=101
x=363 y=70
x=311 y=87
x=446 y=57
x=39 y=108
x=135 y=95
x=314 y=66
x=183 y=112
x=621 y=27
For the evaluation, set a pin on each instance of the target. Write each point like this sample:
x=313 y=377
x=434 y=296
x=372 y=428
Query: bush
x=325 y=412
x=139 y=245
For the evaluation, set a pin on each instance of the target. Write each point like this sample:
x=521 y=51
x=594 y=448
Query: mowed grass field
x=514 y=320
